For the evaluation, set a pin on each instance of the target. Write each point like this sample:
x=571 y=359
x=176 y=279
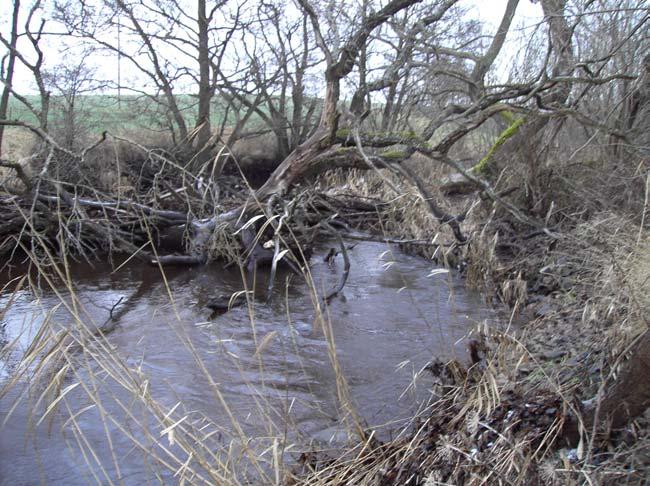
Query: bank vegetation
x=514 y=154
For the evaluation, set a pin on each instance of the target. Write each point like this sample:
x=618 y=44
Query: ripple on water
x=392 y=318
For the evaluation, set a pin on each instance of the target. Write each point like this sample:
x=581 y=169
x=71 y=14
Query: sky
x=491 y=11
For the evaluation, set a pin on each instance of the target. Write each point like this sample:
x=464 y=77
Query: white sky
x=490 y=11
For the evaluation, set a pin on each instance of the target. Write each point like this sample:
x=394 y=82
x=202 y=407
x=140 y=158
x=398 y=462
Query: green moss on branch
x=394 y=155
x=515 y=124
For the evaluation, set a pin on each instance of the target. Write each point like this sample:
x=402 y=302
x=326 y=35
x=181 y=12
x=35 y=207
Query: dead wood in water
x=344 y=275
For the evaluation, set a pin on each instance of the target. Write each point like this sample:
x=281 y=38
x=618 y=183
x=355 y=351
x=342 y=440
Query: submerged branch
x=344 y=275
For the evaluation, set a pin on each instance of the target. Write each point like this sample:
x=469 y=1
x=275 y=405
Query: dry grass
x=71 y=371
x=17 y=146
x=478 y=429
x=506 y=420
x=17 y=143
x=499 y=422
x=406 y=215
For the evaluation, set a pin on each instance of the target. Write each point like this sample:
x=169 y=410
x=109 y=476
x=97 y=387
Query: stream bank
x=560 y=399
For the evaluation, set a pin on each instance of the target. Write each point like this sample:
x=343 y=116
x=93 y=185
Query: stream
x=268 y=368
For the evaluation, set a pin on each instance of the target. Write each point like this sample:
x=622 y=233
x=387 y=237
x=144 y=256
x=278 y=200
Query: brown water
x=393 y=317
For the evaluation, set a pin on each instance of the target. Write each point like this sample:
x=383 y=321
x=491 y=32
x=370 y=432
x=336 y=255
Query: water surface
x=267 y=367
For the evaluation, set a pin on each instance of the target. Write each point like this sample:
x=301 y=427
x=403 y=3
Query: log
x=457 y=185
x=167 y=260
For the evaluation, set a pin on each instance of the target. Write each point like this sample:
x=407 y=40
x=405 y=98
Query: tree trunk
x=160 y=78
x=625 y=399
x=561 y=39
x=484 y=63
x=6 y=92
x=305 y=156
x=204 y=131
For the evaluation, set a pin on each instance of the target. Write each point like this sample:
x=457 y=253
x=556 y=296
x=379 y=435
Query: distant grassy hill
x=105 y=112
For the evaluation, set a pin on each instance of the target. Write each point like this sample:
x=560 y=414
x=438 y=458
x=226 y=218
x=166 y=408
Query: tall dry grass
x=71 y=371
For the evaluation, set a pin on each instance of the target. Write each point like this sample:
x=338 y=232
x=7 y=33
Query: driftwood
x=344 y=275
x=122 y=307
x=223 y=303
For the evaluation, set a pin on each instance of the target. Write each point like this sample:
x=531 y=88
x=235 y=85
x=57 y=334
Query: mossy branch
x=394 y=155
x=377 y=139
x=505 y=135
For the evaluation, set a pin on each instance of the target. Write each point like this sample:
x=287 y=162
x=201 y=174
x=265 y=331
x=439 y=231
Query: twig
x=442 y=216
x=110 y=313
x=645 y=209
x=274 y=266
x=111 y=322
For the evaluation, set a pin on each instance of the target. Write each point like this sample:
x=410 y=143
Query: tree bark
x=11 y=62
x=561 y=36
x=629 y=396
x=204 y=131
x=300 y=161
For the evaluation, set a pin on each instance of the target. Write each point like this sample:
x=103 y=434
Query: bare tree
x=151 y=28
x=34 y=36
x=68 y=84
x=275 y=68
x=435 y=83
x=7 y=72
x=306 y=155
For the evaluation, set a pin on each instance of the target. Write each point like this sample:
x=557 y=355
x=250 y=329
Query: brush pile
x=145 y=204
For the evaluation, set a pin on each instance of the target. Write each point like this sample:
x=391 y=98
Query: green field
x=106 y=112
